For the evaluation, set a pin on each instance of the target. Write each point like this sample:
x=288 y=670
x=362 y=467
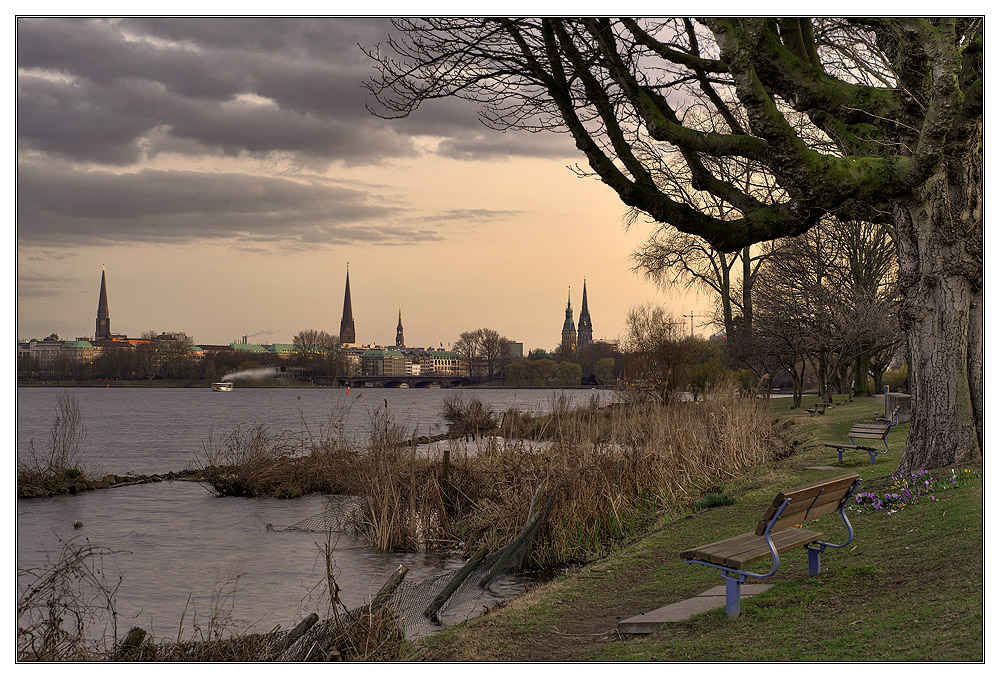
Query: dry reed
x=614 y=471
x=58 y=466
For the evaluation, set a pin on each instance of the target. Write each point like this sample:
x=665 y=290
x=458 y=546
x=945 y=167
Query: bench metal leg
x=732 y=597
x=871 y=456
x=813 y=560
x=840 y=455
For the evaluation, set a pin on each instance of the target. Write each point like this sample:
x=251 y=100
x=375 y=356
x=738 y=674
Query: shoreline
x=190 y=384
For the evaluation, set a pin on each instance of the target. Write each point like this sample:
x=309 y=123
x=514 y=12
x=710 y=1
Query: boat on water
x=404 y=385
x=222 y=386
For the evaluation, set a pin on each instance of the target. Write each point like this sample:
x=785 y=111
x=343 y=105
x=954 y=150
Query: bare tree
x=878 y=119
x=148 y=356
x=652 y=338
x=486 y=350
x=175 y=354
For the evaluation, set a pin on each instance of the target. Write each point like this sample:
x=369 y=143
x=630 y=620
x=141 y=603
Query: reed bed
x=612 y=472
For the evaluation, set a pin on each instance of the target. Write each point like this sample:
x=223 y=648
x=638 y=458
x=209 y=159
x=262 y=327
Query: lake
x=179 y=549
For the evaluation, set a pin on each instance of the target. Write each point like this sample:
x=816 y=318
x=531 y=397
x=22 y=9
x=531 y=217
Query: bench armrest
x=843 y=514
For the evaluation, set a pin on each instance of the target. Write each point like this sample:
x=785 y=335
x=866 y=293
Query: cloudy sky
x=225 y=171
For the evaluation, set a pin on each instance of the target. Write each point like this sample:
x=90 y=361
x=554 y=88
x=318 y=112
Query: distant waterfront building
x=516 y=349
x=399 y=331
x=585 y=330
x=383 y=362
x=448 y=363
x=347 y=335
x=569 y=330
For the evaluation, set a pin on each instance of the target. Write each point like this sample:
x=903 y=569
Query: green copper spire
x=569 y=330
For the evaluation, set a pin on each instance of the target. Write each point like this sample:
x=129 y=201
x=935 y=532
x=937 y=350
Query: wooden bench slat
x=784 y=541
x=707 y=548
x=871 y=427
x=816 y=507
x=749 y=547
x=810 y=489
x=714 y=553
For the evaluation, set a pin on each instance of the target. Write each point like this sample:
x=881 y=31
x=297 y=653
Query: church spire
x=347 y=319
x=585 y=328
x=399 y=330
x=103 y=330
x=569 y=330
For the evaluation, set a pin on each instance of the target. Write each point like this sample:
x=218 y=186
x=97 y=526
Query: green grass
x=908 y=588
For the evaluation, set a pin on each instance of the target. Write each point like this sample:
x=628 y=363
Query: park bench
x=779 y=531
x=818 y=408
x=873 y=431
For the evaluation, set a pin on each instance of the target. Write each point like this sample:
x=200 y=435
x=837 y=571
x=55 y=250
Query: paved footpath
x=647 y=623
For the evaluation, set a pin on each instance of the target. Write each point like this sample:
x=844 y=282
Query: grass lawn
x=908 y=588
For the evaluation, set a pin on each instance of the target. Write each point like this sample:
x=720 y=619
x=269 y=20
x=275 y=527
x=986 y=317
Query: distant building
x=569 y=329
x=383 y=362
x=448 y=363
x=399 y=331
x=347 y=335
x=516 y=349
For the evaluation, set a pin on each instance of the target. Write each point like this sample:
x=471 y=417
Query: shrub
x=58 y=467
x=714 y=500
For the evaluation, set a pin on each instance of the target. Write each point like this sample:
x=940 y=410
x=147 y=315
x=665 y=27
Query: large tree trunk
x=940 y=236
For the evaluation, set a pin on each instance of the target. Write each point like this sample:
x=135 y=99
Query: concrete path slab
x=647 y=623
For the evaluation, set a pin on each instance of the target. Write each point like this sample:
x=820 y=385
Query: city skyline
x=226 y=170
x=104 y=328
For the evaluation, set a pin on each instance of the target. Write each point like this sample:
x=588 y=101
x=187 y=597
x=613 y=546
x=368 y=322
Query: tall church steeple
x=569 y=330
x=585 y=329
x=399 y=330
x=347 y=319
x=103 y=330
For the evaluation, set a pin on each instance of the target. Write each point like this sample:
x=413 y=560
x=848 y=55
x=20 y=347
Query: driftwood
x=286 y=641
x=320 y=641
x=524 y=536
x=390 y=586
x=456 y=582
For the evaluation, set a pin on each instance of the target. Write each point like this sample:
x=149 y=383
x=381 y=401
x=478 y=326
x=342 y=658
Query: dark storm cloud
x=68 y=205
x=479 y=145
x=96 y=96
x=96 y=90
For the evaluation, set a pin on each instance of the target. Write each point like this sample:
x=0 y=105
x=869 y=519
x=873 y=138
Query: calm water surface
x=175 y=540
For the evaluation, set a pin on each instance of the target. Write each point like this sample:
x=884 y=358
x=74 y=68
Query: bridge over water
x=396 y=381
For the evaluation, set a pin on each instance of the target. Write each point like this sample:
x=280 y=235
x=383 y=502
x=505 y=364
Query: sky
x=225 y=172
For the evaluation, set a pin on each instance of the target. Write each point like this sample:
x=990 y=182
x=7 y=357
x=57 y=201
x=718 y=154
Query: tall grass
x=611 y=472
x=57 y=466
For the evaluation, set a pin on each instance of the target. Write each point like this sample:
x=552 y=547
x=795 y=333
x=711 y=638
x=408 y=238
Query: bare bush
x=249 y=461
x=67 y=609
x=470 y=417
x=58 y=466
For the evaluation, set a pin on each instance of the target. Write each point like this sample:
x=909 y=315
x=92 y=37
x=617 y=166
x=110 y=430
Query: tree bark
x=940 y=243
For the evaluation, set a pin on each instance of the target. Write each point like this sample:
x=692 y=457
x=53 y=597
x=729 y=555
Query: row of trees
x=825 y=301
